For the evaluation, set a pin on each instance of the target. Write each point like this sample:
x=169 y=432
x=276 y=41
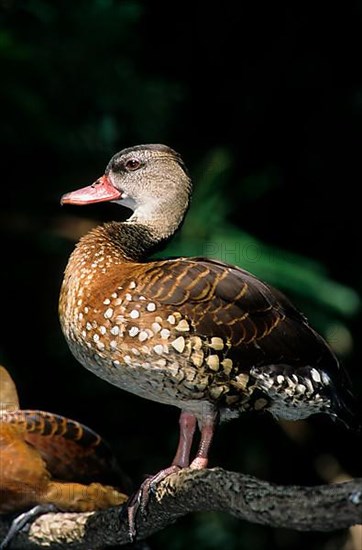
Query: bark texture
x=318 y=508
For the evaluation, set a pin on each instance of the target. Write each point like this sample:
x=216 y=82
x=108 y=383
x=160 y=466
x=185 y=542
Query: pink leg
x=182 y=460
x=209 y=422
x=187 y=430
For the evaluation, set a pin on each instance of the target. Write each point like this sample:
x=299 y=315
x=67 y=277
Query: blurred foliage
x=87 y=50
x=265 y=108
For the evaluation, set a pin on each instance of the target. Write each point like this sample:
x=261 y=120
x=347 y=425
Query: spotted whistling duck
x=199 y=334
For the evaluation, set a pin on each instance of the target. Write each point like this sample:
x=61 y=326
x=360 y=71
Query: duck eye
x=132 y=164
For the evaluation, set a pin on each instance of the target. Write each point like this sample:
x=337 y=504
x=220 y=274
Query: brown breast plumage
x=186 y=330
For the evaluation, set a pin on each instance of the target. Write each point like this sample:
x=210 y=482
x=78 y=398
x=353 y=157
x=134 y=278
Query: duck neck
x=119 y=242
x=149 y=228
x=134 y=241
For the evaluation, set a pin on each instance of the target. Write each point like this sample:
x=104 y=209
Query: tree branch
x=318 y=508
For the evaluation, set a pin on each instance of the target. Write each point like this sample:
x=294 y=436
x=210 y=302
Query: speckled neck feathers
x=134 y=242
x=122 y=241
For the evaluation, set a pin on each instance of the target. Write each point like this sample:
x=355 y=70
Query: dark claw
x=23 y=520
x=138 y=502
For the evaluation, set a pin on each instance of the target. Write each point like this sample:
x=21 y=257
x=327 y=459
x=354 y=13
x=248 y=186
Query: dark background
x=265 y=106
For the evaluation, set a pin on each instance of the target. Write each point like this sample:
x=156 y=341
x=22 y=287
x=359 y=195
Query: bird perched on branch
x=199 y=334
x=47 y=460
